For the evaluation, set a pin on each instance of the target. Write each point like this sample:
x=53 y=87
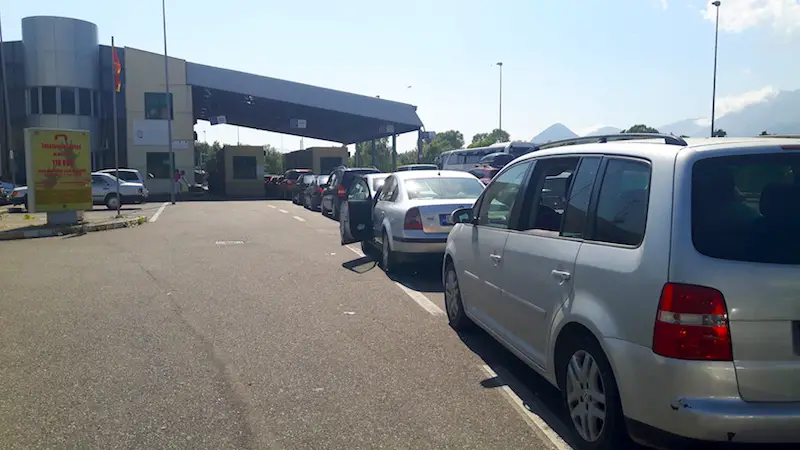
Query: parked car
x=484 y=173
x=411 y=215
x=662 y=300
x=313 y=194
x=416 y=167
x=104 y=192
x=288 y=181
x=299 y=189
x=339 y=182
x=129 y=175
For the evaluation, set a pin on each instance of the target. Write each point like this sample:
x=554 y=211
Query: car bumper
x=694 y=400
x=422 y=245
x=17 y=200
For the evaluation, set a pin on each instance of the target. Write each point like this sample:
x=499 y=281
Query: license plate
x=444 y=219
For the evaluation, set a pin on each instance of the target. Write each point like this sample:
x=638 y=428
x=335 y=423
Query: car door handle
x=495 y=258
x=561 y=275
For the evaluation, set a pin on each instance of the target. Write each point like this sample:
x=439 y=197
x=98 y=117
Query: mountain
x=604 y=130
x=688 y=127
x=555 y=132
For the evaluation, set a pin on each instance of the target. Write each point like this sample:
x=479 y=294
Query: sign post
x=59 y=167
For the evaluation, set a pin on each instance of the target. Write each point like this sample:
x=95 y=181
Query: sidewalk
x=17 y=224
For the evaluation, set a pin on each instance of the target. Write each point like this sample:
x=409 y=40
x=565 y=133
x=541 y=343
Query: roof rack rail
x=790 y=136
x=602 y=139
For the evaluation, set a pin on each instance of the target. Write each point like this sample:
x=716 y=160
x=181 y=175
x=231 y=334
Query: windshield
x=323 y=179
x=443 y=188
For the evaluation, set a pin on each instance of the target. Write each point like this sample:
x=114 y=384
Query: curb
x=74 y=229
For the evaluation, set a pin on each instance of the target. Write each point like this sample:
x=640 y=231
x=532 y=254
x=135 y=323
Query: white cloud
x=664 y=4
x=739 y=15
x=737 y=102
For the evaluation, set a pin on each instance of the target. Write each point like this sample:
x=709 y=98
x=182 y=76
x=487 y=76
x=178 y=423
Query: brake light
x=413 y=220
x=340 y=191
x=319 y=190
x=692 y=323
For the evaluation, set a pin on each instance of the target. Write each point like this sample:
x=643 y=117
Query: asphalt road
x=246 y=325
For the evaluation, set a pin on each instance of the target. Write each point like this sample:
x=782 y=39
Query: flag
x=117 y=69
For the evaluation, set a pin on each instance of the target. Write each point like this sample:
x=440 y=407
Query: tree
x=764 y=133
x=383 y=155
x=273 y=160
x=444 y=141
x=640 y=128
x=203 y=152
x=720 y=133
x=487 y=139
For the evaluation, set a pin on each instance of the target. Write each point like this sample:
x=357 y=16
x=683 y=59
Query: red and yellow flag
x=117 y=70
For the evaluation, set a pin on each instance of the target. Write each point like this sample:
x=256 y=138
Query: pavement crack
x=227 y=381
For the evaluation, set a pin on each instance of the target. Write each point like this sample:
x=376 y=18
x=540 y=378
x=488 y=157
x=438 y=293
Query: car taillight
x=413 y=220
x=340 y=191
x=319 y=190
x=692 y=323
x=15 y=194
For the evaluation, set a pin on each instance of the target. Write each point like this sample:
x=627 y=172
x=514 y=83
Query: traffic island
x=25 y=229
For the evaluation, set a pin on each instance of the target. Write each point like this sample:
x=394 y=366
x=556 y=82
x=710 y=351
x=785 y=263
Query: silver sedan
x=409 y=216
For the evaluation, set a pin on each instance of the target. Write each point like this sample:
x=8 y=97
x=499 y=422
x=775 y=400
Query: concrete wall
x=61 y=59
x=238 y=187
x=145 y=73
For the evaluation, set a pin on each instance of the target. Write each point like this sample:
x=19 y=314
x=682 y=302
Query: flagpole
x=169 y=104
x=114 y=62
x=7 y=113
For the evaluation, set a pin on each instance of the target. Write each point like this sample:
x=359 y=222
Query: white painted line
x=158 y=212
x=421 y=300
x=299 y=219
x=271 y=206
x=534 y=421
x=418 y=297
x=284 y=211
x=356 y=251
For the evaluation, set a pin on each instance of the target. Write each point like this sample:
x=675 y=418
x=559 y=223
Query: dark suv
x=298 y=192
x=289 y=180
x=335 y=191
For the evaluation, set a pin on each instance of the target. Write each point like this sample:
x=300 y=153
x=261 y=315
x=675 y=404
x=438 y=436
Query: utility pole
x=169 y=107
x=714 y=88
x=500 y=113
x=7 y=114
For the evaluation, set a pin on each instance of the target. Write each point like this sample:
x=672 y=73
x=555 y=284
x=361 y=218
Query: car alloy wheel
x=586 y=396
x=456 y=316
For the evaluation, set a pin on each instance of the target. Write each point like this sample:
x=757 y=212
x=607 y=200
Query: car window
x=389 y=192
x=443 y=188
x=550 y=183
x=622 y=204
x=377 y=182
x=98 y=180
x=580 y=192
x=500 y=196
x=323 y=180
x=359 y=190
x=745 y=208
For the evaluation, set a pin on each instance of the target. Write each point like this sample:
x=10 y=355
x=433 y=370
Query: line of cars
x=655 y=281
x=104 y=189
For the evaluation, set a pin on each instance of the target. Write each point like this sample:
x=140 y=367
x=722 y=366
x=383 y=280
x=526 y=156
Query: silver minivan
x=662 y=299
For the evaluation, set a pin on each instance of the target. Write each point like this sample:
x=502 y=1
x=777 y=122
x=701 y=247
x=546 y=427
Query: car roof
x=656 y=147
x=120 y=169
x=414 y=174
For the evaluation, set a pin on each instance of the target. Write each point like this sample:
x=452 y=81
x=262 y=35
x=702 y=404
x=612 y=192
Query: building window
x=155 y=106
x=158 y=165
x=34 y=99
x=67 y=101
x=49 y=100
x=244 y=167
x=96 y=103
x=84 y=102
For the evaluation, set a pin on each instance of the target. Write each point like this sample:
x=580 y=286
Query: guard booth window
x=244 y=167
x=49 y=100
x=158 y=165
x=67 y=101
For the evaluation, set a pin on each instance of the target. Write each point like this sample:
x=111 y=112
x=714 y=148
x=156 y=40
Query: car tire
x=111 y=201
x=336 y=210
x=589 y=391
x=388 y=258
x=322 y=209
x=456 y=315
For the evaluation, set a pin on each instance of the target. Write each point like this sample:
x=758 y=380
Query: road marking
x=300 y=219
x=284 y=211
x=418 y=297
x=158 y=213
x=271 y=206
x=538 y=424
x=228 y=242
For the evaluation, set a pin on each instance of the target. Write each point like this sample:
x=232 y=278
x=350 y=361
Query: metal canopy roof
x=271 y=104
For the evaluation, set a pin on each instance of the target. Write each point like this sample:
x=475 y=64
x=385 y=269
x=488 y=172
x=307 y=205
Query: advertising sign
x=59 y=167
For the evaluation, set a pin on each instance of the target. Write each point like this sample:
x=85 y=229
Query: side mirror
x=461 y=215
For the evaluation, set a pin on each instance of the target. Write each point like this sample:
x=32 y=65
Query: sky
x=584 y=63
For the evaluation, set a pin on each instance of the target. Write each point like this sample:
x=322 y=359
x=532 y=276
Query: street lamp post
x=714 y=88
x=7 y=113
x=169 y=107
x=500 y=112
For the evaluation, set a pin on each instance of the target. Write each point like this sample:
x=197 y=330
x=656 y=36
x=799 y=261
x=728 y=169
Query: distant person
x=184 y=183
x=176 y=178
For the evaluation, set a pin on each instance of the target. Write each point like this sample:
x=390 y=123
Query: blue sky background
x=584 y=63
